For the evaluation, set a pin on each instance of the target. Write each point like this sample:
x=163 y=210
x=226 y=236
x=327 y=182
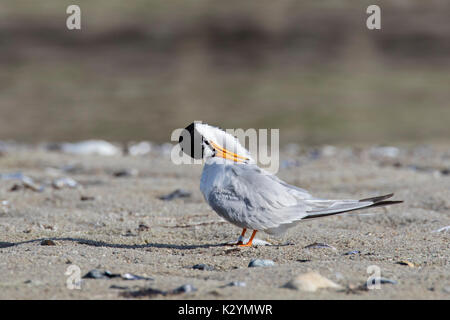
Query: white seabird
x=250 y=197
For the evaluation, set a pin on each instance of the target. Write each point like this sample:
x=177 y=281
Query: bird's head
x=202 y=141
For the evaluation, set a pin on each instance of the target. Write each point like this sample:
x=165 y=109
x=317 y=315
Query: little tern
x=250 y=197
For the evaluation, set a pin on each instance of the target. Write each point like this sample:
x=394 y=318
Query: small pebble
x=258 y=242
x=203 y=267
x=95 y=274
x=16 y=187
x=90 y=147
x=30 y=184
x=311 y=282
x=100 y=274
x=236 y=284
x=139 y=149
x=150 y=292
x=179 y=193
x=27 y=183
x=61 y=183
x=48 y=243
x=33 y=282
x=406 y=263
x=352 y=252
x=388 y=281
x=384 y=152
x=186 y=288
x=87 y=198
x=126 y=173
x=443 y=229
x=261 y=263
x=47 y=227
x=109 y=274
x=106 y=274
x=143 y=227
x=145 y=292
x=129 y=276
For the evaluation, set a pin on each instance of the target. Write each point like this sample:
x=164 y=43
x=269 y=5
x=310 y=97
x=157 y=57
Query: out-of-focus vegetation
x=139 y=69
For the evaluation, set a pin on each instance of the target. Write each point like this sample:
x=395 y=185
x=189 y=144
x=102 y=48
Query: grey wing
x=252 y=198
x=323 y=208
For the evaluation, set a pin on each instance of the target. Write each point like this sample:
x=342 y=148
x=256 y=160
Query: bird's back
x=250 y=197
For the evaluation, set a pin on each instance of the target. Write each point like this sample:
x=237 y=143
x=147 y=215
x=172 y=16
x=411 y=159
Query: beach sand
x=120 y=224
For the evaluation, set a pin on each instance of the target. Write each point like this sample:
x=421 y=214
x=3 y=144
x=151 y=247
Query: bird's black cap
x=191 y=142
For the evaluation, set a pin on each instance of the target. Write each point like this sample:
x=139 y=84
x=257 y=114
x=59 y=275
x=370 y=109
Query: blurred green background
x=139 y=69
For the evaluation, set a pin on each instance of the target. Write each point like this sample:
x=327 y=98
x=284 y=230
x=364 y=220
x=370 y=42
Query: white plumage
x=252 y=198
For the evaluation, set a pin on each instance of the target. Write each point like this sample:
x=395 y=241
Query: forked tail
x=325 y=208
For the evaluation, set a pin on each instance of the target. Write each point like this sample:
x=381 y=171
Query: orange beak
x=224 y=153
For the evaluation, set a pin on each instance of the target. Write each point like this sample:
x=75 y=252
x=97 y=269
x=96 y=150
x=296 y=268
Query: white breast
x=213 y=175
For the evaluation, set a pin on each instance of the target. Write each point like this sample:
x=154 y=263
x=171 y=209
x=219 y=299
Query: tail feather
x=384 y=203
x=336 y=207
x=377 y=199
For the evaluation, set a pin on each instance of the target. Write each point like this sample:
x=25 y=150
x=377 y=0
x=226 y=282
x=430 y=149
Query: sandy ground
x=103 y=232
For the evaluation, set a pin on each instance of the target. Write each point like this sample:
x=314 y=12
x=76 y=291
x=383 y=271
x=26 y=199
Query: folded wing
x=254 y=199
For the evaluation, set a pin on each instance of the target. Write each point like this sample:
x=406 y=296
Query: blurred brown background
x=139 y=69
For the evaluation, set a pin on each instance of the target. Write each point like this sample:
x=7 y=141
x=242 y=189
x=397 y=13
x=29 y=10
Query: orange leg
x=242 y=236
x=249 y=243
x=239 y=241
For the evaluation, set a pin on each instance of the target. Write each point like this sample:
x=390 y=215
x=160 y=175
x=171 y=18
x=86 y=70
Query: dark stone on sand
x=48 y=243
x=143 y=227
x=100 y=274
x=352 y=252
x=145 y=292
x=185 y=288
x=87 y=198
x=106 y=274
x=151 y=292
x=126 y=173
x=235 y=284
x=203 y=266
x=179 y=193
